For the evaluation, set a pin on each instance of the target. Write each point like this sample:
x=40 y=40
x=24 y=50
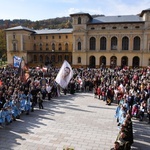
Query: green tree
x=37 y=25
x=2 y=44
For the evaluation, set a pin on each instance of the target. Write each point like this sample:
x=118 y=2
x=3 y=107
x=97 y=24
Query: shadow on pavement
x=141 y=132
x=10 y=134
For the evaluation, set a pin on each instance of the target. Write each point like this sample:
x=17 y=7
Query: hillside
x=63 y=22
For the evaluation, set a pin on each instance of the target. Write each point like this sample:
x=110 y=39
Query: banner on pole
x=64 y=75
x=17 y=61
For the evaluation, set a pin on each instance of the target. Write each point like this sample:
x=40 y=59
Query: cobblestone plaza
x=79 y=121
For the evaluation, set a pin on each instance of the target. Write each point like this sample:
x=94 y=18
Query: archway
x=136 y=62
x=124 y=61
x=102 y=62
x=47 y=60
x=92 y=62
x=113 y=62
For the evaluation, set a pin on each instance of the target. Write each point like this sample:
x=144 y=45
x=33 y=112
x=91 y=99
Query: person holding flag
x=64 y=75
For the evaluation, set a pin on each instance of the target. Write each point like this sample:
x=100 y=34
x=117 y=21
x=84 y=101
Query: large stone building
x=103 y=40
x=39 y=47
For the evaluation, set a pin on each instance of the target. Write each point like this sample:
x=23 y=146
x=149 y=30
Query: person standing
x=48 y=90
x=40 y=100
x=34 y=98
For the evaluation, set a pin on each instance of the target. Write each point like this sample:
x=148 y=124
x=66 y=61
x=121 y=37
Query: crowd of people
x=129 y=88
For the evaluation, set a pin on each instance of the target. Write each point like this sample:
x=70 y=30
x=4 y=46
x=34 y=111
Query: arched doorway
x=113 y=62
x=92 y=62
x=136 y=62
x=47 y=60
x=102 y=62
x=124 y=61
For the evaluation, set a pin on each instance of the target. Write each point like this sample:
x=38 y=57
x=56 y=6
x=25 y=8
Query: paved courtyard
x=79 y=121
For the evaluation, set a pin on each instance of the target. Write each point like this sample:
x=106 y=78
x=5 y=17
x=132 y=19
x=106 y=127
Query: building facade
x=39 y=47
x=93 y=42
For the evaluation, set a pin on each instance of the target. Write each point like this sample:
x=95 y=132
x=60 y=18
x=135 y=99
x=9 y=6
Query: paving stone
x=80 y=121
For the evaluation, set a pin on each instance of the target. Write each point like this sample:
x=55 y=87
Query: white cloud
x=73 y=10
x=37 y=9
x=117 y=7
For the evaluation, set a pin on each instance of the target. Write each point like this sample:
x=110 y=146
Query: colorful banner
x=17 y=61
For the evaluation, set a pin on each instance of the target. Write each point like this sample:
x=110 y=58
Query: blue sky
x=45 y=9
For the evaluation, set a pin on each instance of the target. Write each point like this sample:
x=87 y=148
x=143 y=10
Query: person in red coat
x=99 y=91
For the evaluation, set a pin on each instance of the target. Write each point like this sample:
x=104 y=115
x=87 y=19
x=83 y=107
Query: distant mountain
x=62 y=22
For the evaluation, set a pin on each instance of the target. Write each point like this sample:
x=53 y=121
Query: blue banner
x=17 y=61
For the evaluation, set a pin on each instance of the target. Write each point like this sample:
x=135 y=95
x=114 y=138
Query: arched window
x=79 y=45
x=35 y=58
x=92 y=43
x=41 y=58
x=40 y=46
x=102 y=61
x=53 y=46
x=47 y=60
x=136 y=43
x=53 y=58
x=60 y=48
x=124 y=61
x=47 y=46
x=103 y=43
x=125 y=43
x=14 y=47
x=135 y=62
x=67 y=57
x=34 y=47
x=66 y=47
x=59 y=58
x=92 y=61
x=79 y=59
x=113 y=62
x=79 y=20
x=114 y=43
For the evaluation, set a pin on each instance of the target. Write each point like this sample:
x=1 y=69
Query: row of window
x=114 y=43
x=113 y=61
x=53 y=47
x=52 y=58
x=114 y=27
x=40 y=37
x=46 y=37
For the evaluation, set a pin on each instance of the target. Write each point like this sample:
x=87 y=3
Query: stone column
x=97 y=43
x=21 y=39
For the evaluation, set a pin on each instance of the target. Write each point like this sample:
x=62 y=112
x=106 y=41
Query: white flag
x=17 y=61
x=64 y=75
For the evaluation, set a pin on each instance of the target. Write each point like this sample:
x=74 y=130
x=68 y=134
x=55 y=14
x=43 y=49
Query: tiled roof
x=43 y=31
x=53 y=31
x=116 y=19
x=81 y=13
x=144 y=11
x=19 y=28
